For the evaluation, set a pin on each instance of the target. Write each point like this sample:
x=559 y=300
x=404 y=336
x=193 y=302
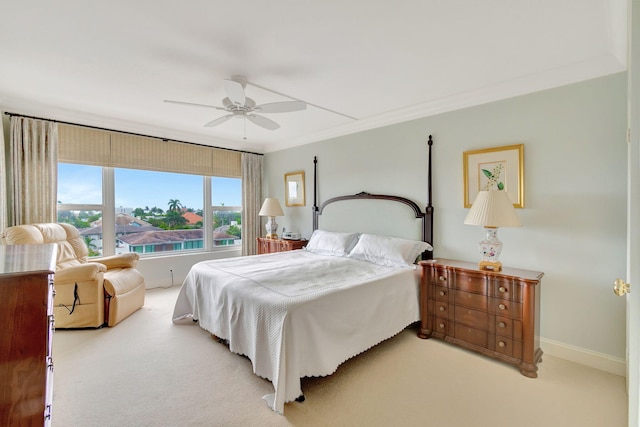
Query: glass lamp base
x=490 y=249
x=272 y=228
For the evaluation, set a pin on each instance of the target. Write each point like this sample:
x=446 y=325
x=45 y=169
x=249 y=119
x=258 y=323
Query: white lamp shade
x=493 y=209
x=271 y=207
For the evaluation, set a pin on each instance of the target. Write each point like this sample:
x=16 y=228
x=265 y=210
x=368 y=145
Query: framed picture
x=499 y=168
x=294 y=189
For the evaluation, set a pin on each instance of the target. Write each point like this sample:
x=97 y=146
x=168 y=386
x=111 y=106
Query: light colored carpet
x=147 y=371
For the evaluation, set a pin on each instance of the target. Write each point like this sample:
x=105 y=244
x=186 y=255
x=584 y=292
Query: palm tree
x=174 y=204
x=174 y=219
x=91 y=246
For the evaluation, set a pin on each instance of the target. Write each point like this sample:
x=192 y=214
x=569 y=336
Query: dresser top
x=25 y=259
x=506 y=271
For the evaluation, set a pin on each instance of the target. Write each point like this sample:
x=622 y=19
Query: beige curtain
x=251 y=202
x=4 y=211
x=33 y=153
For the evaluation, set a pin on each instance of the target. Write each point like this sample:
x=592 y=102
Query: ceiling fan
x=238 y=105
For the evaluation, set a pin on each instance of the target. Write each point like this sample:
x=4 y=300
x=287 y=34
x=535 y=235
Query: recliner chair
x=89 y=292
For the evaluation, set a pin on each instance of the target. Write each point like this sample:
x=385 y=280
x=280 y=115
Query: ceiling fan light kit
x=238 y=105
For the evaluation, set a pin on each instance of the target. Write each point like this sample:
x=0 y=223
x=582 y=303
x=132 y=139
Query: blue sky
x=135 y=188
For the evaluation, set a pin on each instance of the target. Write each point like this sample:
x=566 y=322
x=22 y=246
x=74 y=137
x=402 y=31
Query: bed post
x=428 y=222
x=315 y=193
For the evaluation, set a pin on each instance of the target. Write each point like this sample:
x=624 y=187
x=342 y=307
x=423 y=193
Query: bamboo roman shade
x=83 y=145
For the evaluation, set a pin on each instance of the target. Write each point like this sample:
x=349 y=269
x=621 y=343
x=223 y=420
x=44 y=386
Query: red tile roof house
x=192 y=218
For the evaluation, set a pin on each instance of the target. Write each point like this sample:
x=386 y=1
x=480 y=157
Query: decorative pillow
x=389 y=251
x=331 y=243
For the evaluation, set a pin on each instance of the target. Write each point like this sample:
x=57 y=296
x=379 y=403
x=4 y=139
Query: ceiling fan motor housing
x=249 y=105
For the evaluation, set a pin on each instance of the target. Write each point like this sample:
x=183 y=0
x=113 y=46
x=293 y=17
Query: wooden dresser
x=268 y=246
x=26 y=319
x=493 y=313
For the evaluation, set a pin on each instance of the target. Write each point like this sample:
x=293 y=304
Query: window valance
x=83 y=145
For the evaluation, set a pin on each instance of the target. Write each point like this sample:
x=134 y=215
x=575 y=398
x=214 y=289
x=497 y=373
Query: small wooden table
x=269 y=246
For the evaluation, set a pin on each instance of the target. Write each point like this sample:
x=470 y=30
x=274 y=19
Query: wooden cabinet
x=26 y=319
x=268 y=246
x=493 y=313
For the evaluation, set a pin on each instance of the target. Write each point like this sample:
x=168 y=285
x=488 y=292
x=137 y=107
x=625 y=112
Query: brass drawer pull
x=502 y=289
x=441 y=308
x=502 y=344
x=441 y=278
x=502 y=307
x=441 y=325
x=442 y=293
x=502 y=324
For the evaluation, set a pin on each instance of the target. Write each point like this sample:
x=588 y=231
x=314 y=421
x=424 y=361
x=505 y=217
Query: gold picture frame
x=294 y=189
x=499 y=168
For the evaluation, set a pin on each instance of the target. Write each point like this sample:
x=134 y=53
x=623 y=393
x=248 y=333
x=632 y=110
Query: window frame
x=108 y=210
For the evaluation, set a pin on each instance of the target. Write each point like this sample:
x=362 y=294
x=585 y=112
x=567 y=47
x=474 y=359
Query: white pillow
x=331 y=243
x=389 y=251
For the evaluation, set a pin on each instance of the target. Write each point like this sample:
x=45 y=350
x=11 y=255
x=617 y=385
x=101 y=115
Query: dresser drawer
x=439 y=276
x=439 y=308
x=441 y=325
x=478 y=319
x=471 y=335
x=502 y=326
x=470 y=281
x=505 y=289
x=471 y=300
x=508 y=347
x=505 y=308
x=504 y=346
x=506 y=327
x=440 y=292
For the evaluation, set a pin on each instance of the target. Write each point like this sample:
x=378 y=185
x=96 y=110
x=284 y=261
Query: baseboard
x=604 y=362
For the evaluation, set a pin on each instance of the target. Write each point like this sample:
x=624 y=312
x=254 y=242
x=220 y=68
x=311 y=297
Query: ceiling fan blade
x=263 y=121
x=192 y=104
x=235 y=92
x=281 y=107
x=218 y=121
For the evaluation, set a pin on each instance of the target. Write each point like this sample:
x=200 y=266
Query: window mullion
x=207 y=214
x=109 y=213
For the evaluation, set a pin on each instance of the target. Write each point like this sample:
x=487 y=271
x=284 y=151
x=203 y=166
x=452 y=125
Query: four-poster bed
x=303 y=313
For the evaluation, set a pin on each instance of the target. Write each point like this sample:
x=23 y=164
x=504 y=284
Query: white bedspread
x=297 y=314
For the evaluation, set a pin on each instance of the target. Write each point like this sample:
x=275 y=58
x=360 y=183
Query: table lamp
x=492 y=209
x=271 y=208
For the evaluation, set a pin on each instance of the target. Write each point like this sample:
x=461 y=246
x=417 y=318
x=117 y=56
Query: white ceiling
x=360 y=64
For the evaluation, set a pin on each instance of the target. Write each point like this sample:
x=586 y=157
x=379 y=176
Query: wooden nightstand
x=268 y=246
x=493 y=313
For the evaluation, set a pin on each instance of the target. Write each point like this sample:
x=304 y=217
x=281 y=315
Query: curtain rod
x=128 y=133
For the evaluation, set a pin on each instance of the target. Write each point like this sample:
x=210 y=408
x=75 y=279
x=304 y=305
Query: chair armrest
x=80 y=273
x=126 y=260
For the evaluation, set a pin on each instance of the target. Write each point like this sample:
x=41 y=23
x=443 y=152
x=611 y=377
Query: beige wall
x=575 y=195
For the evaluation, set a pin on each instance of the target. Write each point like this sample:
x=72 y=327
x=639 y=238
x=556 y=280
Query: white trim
x=601 y=361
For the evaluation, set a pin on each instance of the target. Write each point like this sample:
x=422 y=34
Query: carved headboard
x=426 y=216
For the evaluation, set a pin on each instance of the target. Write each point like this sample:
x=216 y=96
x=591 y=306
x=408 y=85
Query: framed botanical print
x=498 y=168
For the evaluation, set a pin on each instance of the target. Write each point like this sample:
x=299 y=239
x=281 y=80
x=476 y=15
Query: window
x=152 y=195
x=226 y=195
x=152 y=212
x=80 y=201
